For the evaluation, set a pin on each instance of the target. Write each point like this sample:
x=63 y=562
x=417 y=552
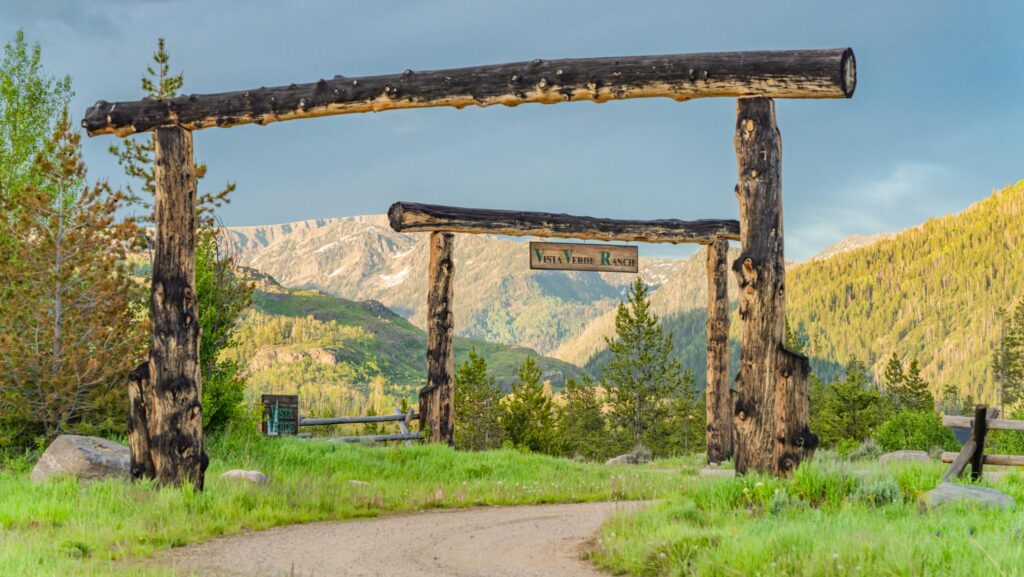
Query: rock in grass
x=904 y=456
x=358 y=483
x=953 y=492
x=85 y=458
x=620 y=460
x=254 y=477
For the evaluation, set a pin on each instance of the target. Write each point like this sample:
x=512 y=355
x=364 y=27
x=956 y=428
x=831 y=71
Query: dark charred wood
x=437 y=399
x=776 y=74
x=140 y=397
x=414 y=217
x=771 y=430
x=175 y=416
x=718 y=394
x=978 y=434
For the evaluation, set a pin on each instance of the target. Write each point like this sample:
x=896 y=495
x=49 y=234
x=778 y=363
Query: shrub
x=822 y=483
x=847 y=447
x=920 y=430
x=878 y=492
x=868 y=451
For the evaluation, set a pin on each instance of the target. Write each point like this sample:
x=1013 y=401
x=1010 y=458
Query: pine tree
x=643 y=377
x=1008 y=359
x=477 y=406
x=528 y=417
x=849 y=408
x=894 y=376
x=915 y=395
x=582 y=427
x=70 y=325
x=222 y=294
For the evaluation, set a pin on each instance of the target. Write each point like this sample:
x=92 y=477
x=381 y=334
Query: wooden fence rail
x=973 y=451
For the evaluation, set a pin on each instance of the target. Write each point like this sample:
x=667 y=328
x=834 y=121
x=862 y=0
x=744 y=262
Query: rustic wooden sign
x=583 y=257
x=280 y=415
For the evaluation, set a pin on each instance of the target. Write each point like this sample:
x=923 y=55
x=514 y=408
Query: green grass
x=67 y=528
x=830 y=519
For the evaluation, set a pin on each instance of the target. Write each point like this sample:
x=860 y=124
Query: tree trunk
x=140 y=398
x=437 y=399
x=173 y=397
x=771 y=419
x=719 y=396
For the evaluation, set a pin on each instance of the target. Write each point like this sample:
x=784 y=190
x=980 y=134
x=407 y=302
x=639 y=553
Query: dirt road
x=536 y=541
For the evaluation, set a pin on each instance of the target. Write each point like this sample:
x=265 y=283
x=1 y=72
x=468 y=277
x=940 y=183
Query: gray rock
x=358 y=483
x=627 y=459
x=710 y=471
x=85 y=458
x=254 y=477
x=951 y=492
x=904 y=456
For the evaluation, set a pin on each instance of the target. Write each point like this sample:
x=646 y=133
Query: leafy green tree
x=529 y=417
x=642 y=378
x=478 y=410
x=1008 y=359
x=918 y=430
x=849 y=408
x=222 y=293
x=31 y=102
x=582 y=427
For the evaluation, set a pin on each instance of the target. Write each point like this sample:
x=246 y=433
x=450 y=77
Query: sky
x=934 y=125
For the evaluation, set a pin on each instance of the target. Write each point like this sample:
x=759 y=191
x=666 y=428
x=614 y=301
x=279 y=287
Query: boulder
x=904 y=457
x=627 y=459
x=951 y=492
x=358 y=483
x=254 y=477
x=85 y=458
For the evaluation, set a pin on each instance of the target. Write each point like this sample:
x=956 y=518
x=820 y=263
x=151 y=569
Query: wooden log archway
x=436 y=410
x=167 y=440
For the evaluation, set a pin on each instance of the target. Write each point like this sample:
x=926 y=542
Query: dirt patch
x=534 y=541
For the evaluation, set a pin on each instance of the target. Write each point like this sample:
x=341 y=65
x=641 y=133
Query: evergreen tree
x=1008 y=359
x=477 y=406
x=849 y=408
x=915 y=395
x=528 y=417
x=643 y=377
x=582 y=427
x=222 y=294
x=894 y=376
x=70 y=327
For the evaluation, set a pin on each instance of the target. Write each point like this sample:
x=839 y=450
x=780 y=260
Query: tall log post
x=771 y=414
x=718 y=394
x=437 y=399
x=172 y=391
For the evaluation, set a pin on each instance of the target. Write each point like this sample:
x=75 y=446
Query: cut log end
x=849 y=72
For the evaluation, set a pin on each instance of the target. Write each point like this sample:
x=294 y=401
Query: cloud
x=909 y=193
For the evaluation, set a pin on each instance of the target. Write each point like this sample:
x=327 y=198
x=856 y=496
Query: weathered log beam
x=771 y=413
x=961 y=460
x=379 y=438
x=414 y=217
x=175 y=415
x=437 y=399
x=776 y=74
x=968 y=422
x=997 y=460
x=718 y=394
x=357 y=419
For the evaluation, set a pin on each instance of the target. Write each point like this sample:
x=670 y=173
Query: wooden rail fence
x=973 y=451
x=281 y=417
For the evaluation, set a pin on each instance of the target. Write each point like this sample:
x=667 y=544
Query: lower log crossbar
x=379 y=438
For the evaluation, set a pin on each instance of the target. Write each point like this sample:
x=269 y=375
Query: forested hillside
x=343 y=356
x=933 y=292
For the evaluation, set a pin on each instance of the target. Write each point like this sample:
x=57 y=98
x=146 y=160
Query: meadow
x=101 y=529
x=834 y=517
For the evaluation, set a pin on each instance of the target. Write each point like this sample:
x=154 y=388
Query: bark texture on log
x=437 y=399
x=771 y=420
x=718 y=394
x=778 y=74
x=140 y=398
x=414 y=217
x=175 y=416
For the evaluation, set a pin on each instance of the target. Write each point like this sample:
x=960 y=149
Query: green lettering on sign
x=605 y=256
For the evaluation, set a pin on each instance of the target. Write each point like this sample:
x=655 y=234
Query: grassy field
x=832 y=518
x=64 y=528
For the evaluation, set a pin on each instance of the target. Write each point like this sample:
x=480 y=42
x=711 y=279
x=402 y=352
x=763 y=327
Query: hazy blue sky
x=935 y=123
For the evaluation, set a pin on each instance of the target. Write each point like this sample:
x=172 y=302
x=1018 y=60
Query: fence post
x=719 y=396
x=437 y=399
x=978 y=433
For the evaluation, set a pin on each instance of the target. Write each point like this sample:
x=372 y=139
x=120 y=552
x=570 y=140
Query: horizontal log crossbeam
x=355 y=420
x=968 y=423
x=414 y=217
x=772 y=74
x=999 y=460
